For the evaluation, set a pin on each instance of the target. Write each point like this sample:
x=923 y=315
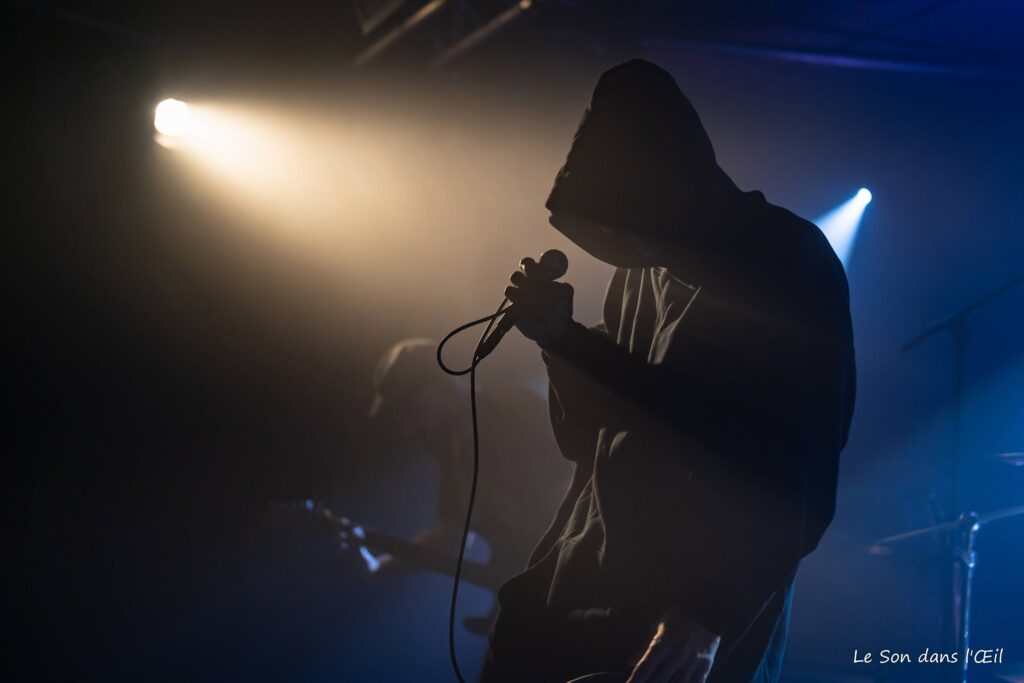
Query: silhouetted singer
x=705 y=414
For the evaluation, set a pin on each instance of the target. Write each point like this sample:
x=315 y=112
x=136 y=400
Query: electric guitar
x=351 y=536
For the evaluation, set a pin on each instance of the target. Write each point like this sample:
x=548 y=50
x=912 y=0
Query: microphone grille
x=555 y=263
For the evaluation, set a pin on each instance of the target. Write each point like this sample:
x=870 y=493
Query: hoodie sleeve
x=576 y=401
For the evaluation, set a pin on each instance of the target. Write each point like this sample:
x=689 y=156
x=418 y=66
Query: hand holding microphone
x=542 y=306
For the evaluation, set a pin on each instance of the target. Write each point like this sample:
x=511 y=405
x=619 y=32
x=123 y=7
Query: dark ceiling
x=979 y=35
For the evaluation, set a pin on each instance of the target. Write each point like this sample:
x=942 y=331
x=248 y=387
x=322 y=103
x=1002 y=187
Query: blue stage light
x=841 y=223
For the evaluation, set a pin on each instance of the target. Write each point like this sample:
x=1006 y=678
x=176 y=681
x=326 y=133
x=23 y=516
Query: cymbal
x=1015 y=458
x=946 y=526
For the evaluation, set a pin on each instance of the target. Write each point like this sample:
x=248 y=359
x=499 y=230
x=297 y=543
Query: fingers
x=521 y=279
x=651 y=660
x=530 y=279
x=523 y=298
x=543 y=307
x=647 y=669
x=528 y=292
x=670 y=660
x=525 y=291
x=533 y=270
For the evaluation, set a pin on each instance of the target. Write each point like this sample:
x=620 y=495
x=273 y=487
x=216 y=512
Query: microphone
x=553 y=265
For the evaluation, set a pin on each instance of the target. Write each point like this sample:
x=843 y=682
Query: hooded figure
x=705 y=414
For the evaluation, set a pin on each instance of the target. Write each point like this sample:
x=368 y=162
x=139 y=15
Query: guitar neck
x=309 y=512
x=476 y=573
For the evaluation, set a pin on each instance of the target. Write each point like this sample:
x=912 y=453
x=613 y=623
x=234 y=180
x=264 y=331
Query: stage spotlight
x=172 y=118
x=840 y=225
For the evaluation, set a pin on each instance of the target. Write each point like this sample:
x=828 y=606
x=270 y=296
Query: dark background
x=178 y=358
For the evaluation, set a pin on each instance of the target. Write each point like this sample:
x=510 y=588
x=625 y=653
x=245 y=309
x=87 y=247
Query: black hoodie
x=705 y=414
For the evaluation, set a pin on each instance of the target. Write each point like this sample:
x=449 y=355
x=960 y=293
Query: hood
x=640 y=167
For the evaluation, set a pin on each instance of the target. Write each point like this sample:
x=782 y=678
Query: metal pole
x=967 y=560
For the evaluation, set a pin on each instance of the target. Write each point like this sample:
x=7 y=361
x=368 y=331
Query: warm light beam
x=327 y=187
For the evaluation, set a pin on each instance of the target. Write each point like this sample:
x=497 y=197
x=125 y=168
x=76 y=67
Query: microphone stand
x=957 y=614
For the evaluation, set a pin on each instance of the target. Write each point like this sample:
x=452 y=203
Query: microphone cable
x=471 y=371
